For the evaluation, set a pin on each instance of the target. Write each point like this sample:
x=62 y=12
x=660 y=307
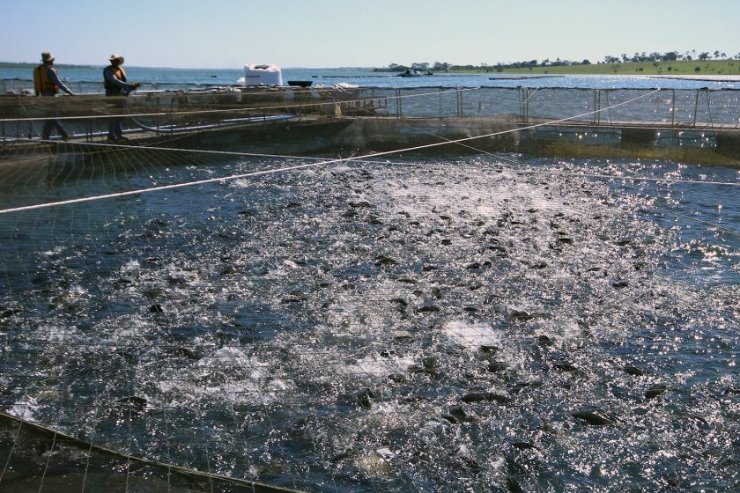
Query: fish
x=473 y=397
x=593 y=418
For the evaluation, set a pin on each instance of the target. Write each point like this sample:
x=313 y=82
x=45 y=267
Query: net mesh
x=405 y=324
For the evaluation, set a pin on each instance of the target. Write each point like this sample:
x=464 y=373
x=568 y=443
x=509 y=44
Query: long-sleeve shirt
x=56 y=80
x=113 y=85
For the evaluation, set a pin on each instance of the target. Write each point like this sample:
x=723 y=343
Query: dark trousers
x=52 y=122
x=115 y=124
x=115 y=128
x=50 y=125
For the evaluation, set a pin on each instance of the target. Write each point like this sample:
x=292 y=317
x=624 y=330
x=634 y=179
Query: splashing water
x=408 y=326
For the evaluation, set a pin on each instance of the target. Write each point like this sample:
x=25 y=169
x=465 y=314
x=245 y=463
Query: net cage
x=189 y=313
x=162 y=112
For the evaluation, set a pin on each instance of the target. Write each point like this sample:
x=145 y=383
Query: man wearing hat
x=47 y=83
x=114 y=80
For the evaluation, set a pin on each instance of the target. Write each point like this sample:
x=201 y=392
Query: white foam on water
x=57 y=333
x=228 y=357
x=290 y=264
x=471 y=336
x=231 y=375
x=374 y=366
x=131 y=266
x=54 y=252
x=241 y=183
x=26 y=408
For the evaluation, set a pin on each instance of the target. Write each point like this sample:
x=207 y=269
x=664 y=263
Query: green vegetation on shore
x=666 y=64
x=676 y=67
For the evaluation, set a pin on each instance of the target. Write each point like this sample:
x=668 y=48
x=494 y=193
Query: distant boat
x=414 y=73
x=300 y=83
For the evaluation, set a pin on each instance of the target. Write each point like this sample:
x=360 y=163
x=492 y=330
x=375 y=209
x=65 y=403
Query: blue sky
x=350 y=33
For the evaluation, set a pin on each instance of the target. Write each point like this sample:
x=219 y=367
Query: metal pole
x=440 y=92
x=709 y=108
x=523 y=94
x=696 y=106
x=399 y=112
x=673 y=108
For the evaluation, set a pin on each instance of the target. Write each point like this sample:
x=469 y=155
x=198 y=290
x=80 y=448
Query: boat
x=261 y=75
x=414 y=73
x=267 y=75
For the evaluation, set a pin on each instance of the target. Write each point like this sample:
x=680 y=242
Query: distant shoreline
x=711 y=70
x=710 y=78
x=715 y=71
x=680 y=68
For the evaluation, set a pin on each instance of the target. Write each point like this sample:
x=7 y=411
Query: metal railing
x=704 y=108
x=163 y=111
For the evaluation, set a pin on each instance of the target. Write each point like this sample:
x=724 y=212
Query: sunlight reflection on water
x=415 y=325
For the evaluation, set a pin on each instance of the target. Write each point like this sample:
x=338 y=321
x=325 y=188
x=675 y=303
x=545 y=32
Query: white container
x=262 y=75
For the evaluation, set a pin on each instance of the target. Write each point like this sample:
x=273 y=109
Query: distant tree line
x=669 y=56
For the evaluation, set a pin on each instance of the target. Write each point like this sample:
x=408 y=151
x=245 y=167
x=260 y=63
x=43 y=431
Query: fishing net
x=237 y=300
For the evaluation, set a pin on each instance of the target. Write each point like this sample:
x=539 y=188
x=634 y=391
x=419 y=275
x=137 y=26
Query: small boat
x=300 y=83
x=414 y=73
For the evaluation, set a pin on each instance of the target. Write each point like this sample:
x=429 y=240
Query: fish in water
x=472 y=397
x=655 y=391
x=593 y=418
x=633 y=370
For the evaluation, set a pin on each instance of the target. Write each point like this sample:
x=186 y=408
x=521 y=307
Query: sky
x=351 y=33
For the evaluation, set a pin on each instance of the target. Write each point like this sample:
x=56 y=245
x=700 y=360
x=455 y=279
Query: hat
x=47 y=56
x=115 y=57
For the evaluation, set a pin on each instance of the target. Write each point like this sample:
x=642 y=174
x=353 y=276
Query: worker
x=114 y=77
x=47 y=83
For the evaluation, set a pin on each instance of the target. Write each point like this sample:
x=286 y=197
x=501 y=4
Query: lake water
x=165 y=78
